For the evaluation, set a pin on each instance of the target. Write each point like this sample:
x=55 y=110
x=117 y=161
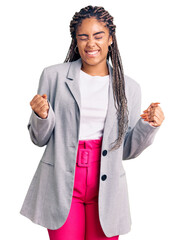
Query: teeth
x=92 y=53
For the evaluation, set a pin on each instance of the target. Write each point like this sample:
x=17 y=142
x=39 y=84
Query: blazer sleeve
x=140 y=133
x=41 y=129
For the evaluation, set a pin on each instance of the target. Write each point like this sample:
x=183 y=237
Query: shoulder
x=132 y=87
x=131 y=83
x=132 y=91
x=54 y=69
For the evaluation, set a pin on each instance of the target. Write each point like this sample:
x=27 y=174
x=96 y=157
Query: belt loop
x=84 y=157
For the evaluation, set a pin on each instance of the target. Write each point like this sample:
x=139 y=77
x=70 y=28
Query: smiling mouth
x=92 y=53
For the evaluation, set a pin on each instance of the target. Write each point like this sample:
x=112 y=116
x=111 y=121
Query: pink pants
x=83 y=222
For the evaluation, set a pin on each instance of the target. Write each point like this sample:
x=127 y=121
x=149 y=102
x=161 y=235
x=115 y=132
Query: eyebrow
x=88 y=35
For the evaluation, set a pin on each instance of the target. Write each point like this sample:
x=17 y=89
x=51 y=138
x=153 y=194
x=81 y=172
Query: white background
x=34 y=35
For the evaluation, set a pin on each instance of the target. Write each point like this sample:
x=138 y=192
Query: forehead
x=92 y=25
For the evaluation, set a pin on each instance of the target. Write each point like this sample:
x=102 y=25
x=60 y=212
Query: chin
x=92 y=62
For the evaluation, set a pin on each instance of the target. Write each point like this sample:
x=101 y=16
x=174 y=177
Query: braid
x=118 y=75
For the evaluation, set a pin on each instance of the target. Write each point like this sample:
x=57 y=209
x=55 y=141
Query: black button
x=103 y=177
x=104 y=153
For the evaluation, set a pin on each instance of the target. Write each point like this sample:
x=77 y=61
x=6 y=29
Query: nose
x=90 y=43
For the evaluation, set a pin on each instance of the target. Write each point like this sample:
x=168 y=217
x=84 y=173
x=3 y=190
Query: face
x=93 y=40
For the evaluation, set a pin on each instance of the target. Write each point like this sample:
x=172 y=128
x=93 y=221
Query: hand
x=153 y=115
x=40 y=106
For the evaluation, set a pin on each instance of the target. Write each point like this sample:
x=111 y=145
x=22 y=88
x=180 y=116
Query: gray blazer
x=49 y=196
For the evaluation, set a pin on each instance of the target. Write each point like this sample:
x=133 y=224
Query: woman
x=82 y=106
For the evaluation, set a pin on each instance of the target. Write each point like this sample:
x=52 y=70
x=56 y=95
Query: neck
x=100 y=69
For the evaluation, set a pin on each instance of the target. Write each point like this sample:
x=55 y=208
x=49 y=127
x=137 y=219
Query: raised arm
x=140 y=133
x=41 y=126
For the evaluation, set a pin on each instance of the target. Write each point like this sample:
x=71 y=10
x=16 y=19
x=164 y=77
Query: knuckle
x=40 y=103
x=43 y=107
x=35 y=97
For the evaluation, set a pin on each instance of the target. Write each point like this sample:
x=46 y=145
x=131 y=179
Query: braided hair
x=118 y=76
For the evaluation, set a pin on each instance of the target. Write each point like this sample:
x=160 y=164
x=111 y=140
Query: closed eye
x=84 y=39
x=98 y=38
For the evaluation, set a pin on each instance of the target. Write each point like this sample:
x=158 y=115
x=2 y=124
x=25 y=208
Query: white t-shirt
x=94 y=92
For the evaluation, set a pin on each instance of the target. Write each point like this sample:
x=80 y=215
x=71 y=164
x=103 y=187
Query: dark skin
x=40 y=105
x=153 y=115
x=93 y=37
x=93 y=40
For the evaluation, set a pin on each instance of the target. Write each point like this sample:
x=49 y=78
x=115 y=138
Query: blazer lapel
x=73 y=85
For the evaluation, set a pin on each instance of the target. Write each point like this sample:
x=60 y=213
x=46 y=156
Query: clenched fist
x=40 y=106
x=153 y=115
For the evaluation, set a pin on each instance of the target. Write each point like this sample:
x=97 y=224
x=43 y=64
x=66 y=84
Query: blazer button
x=103 y=177
x=104 y=153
